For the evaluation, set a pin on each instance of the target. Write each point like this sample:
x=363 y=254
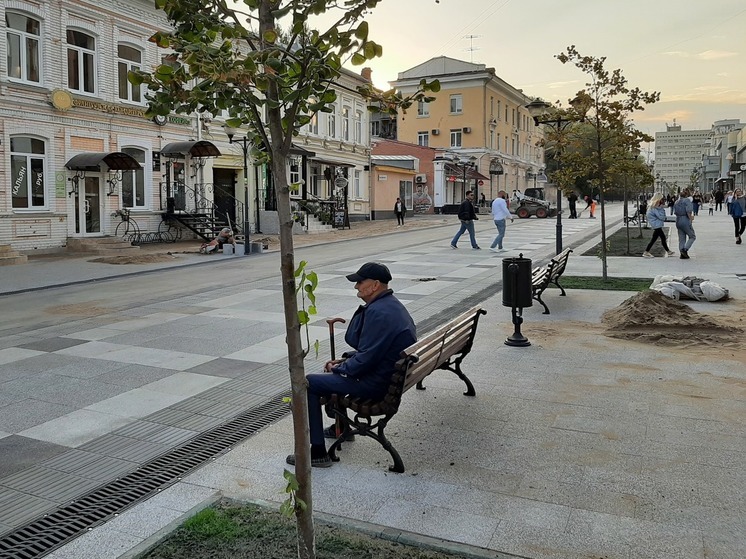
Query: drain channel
x=43 y=535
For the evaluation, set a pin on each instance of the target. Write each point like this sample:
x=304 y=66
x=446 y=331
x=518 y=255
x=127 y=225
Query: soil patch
x=652 y=317
x=229 y=530
x=136 y=259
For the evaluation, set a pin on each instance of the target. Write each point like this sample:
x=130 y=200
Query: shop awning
x=297 y=150
x=736 y=168
x=458 y=172
x=200 y=148
x=331 y=163
x=115 y=161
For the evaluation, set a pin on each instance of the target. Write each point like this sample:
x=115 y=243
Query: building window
x=357 y=185
x=332 y=124
x=23 y=47
x=81 y=62
x=133 y=182
x=27 y=164
x=375 y=128
x=358 y=127
x=423 y=108
x=129 y=59
x=294 y=174
x=456 y=138
x=497 y=113
x=423 y=139
x=346 y=123
x=456 y=104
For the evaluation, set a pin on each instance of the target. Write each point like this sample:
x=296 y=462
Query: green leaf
x=299 y=269
x=269 y=36
x=303 y=317
x=362 y=31
x=358 y=59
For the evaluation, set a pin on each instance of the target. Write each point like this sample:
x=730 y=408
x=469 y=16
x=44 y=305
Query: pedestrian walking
x=656 y=217
x=500 y=213
x=572 y=200
x=684 y=213
x=728 y=200
x=696 y=202
x=738 y=213
x=590 y=206
x=399 y=210
x=467 y=215
x=719 y=196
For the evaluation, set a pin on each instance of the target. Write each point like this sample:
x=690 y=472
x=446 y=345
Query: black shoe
x=684 y=255
x=323 y=462
x=738 y=240
x=331 y=433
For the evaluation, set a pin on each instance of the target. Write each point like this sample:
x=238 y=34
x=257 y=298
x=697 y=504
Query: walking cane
x=331 y=322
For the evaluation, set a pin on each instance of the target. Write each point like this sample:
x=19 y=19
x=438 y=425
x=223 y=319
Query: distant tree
x=607 y=135
x=234 y=58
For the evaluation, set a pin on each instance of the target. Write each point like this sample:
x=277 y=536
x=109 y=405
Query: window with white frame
x=23 y=47
x=456 y=138
x=331 y=124
x=405 y=193
x=375 y=128
x=423 y=138
x=357 y=185
x=81 y=61
x=129 y=58
x=346 y=123
x=457 y=104
x=133 y=182
x=313 y=125
x=27 y=164
x=358 y=127
x=294 y=174
x=423 y=108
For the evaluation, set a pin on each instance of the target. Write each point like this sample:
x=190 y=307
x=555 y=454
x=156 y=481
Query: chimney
x=366 y=73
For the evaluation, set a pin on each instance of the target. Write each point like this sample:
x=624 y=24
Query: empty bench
x=444 y=348
x=543 y=276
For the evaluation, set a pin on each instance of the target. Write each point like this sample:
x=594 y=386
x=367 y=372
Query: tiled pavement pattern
x=550 y=460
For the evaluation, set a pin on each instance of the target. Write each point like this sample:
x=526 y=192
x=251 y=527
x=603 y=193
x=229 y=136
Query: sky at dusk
x=692 y=52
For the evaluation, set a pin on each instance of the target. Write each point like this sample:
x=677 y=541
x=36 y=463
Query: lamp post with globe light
x=543 y=113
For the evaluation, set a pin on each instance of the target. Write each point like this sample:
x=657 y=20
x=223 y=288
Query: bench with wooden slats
x=543 y=276
x=444 y=348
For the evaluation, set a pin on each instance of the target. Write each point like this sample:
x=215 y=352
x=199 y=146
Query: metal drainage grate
x=45 y=534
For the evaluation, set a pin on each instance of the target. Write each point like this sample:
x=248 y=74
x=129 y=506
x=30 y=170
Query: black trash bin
x=522 y=290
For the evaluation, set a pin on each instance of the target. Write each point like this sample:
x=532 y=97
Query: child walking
x=656 y=217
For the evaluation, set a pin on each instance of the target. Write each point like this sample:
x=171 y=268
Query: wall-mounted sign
x=156 y=161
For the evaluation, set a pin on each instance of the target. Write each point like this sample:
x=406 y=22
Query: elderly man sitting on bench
x=378 y=331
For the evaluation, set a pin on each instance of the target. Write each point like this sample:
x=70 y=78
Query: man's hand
x=330 y=364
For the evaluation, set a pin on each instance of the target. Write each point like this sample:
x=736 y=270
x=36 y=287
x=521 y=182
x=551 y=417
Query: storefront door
x=88 y=207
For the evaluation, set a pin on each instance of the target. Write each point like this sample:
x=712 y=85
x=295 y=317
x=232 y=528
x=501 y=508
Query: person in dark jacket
x=719 y=197
x=399 y=211
x=378 y=331
x=467 y=215
x=572 y=201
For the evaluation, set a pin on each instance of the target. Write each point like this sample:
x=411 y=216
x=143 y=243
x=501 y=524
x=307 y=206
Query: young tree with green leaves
x=235 y=57
x=607 y=135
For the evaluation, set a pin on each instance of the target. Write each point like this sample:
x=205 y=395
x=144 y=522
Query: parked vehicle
x=531 y=203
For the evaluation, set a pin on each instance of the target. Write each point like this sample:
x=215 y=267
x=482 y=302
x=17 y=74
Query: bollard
x=517 y=295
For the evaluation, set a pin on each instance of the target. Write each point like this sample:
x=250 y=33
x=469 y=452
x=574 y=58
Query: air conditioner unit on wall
x=421 y=178
x=435 y=131
x=466 y=129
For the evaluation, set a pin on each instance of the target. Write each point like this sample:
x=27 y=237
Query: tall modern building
x=678 y=157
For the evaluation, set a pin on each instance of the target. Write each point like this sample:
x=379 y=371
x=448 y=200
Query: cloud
x=715 y=54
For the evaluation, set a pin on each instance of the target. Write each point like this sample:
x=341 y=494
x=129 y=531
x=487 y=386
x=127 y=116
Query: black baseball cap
x=371 y=270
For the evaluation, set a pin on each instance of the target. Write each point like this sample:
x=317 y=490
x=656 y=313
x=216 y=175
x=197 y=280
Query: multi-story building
x=76 y=148
x=476 y=116
x=678 y=156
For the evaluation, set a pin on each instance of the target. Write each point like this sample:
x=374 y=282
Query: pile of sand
x=652 y=317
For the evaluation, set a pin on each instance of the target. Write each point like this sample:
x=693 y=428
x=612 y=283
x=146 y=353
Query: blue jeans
x=498 y=242
x=466 y=226
x=686 y=232
x=324 y=384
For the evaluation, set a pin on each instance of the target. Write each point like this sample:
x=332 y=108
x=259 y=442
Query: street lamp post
x=559 y=121
x=465 y=163
x=244 y=144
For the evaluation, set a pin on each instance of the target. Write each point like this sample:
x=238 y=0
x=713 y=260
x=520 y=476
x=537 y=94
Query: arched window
x=133 y=182
x=23 y=47
x=27 y=164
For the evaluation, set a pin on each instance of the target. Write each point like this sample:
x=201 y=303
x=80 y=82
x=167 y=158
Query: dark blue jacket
x=379 y=332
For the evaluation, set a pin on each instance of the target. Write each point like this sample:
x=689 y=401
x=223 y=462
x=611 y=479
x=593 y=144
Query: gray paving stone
x=103 y=543
x=125 y=448
x=49 y=484
x=90 y=465
x=17 y=508
x=132 y=376
x=61 y=390
x=28 y=412
x=19 y=453
x=51 y=344
x=221 y=367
